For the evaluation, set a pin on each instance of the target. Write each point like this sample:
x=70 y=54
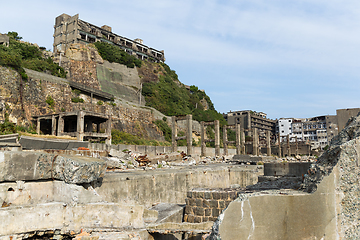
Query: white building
x=313 y=130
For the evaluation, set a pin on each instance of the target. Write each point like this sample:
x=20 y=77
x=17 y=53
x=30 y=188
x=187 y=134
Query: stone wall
x=204 y=205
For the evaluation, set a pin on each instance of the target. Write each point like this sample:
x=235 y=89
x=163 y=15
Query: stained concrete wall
x=289 y=215
x=171 y=186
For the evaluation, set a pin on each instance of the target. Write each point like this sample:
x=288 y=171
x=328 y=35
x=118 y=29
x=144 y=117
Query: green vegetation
x=100 y=103
x=162 y=125
x=113 y=53
x=50 y=101
x=171 y=98
x=77 y=100
x=119 y=137
x=20 y=55
x=9 y=128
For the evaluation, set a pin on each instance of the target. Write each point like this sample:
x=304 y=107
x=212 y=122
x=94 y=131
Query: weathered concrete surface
x=326 y=208
x=169 y=212
x=171 y=186
x=45 y=143
x=25 y=166
x=68 y=218
x=285 y=215
x=295 y=169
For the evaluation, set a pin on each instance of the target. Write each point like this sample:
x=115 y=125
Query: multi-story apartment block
x=317 y=130
x=251 y=119
x=71 y=29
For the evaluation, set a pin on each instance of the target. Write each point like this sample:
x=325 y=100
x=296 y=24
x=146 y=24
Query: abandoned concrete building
x=4 y=40
x=83 y=125
x=250 y=119
x=318 y=131
x=71 y=29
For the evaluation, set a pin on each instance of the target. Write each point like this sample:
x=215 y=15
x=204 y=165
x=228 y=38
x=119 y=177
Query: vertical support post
x=242 y=135
x=203 y=145
x=217 y=138
x=255 y=142
x=225 y=140
x=237 y=140
x=279 y=141
x=60 y=128
x=80 y=125
x=297 y=146
x=53 y=125
x=108 y=130
x=38 y=126
x=288 y=145
x=268 y=146
x=189 y=133
x=174 y=134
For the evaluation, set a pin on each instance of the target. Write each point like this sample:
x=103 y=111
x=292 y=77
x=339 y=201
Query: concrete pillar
x=297 y=147
x=108 y=130
x=189 y=134
x=53 y=125
x=173 y=134
x=60 y=128
x=203 y=144
x=80 y=125
x=225 y=140
x=237 y=139
x=255 y=142
x=268 y=146
x=38 y=126
x=217 y=138
x=279 y=141
x=288 y=145
x=242 y=139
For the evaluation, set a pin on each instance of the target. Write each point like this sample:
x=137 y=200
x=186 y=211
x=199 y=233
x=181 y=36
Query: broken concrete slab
x=169 y=212
x=92 y=216
x=294 y=169
x=25 y=166
x=46 y=143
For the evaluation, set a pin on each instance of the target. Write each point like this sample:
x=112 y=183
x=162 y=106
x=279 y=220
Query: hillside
x=138 y=87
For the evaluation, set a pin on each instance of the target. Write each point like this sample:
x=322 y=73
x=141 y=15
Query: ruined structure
x=79 y=124
x=4 y=40
x=325 y=207
x=71 y=29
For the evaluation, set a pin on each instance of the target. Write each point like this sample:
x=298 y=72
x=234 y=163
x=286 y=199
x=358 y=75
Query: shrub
x=113 y=53
x=100 y=103
x=77 y=100
x=50 y=101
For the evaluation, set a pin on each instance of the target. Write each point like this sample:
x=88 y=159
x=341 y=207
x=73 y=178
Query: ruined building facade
x=250 y=119
x=318 y=131
x=71 y=29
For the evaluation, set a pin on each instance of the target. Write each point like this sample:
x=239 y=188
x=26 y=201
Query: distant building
x=250 y=119
x=317 y=130
x=4 y=40
x=71 y=29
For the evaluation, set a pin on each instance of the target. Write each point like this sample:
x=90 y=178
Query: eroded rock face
x=25 y=166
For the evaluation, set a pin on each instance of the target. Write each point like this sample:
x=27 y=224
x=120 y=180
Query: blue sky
x=296 y=58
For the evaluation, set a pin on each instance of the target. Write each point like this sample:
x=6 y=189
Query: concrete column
x=80 y=125
x=242 y=139
x=60 y=128
x=225 y=140
x=189 y=134
x=203 y=144
x=173 y=134
x=53 y=125
x=255 y=142
x=237 y=139
x=279 y=141
x=108 y=130
x=38 y=126
x=297 y=147
x=288 y=145
x=268 y=145
x=217 y=138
